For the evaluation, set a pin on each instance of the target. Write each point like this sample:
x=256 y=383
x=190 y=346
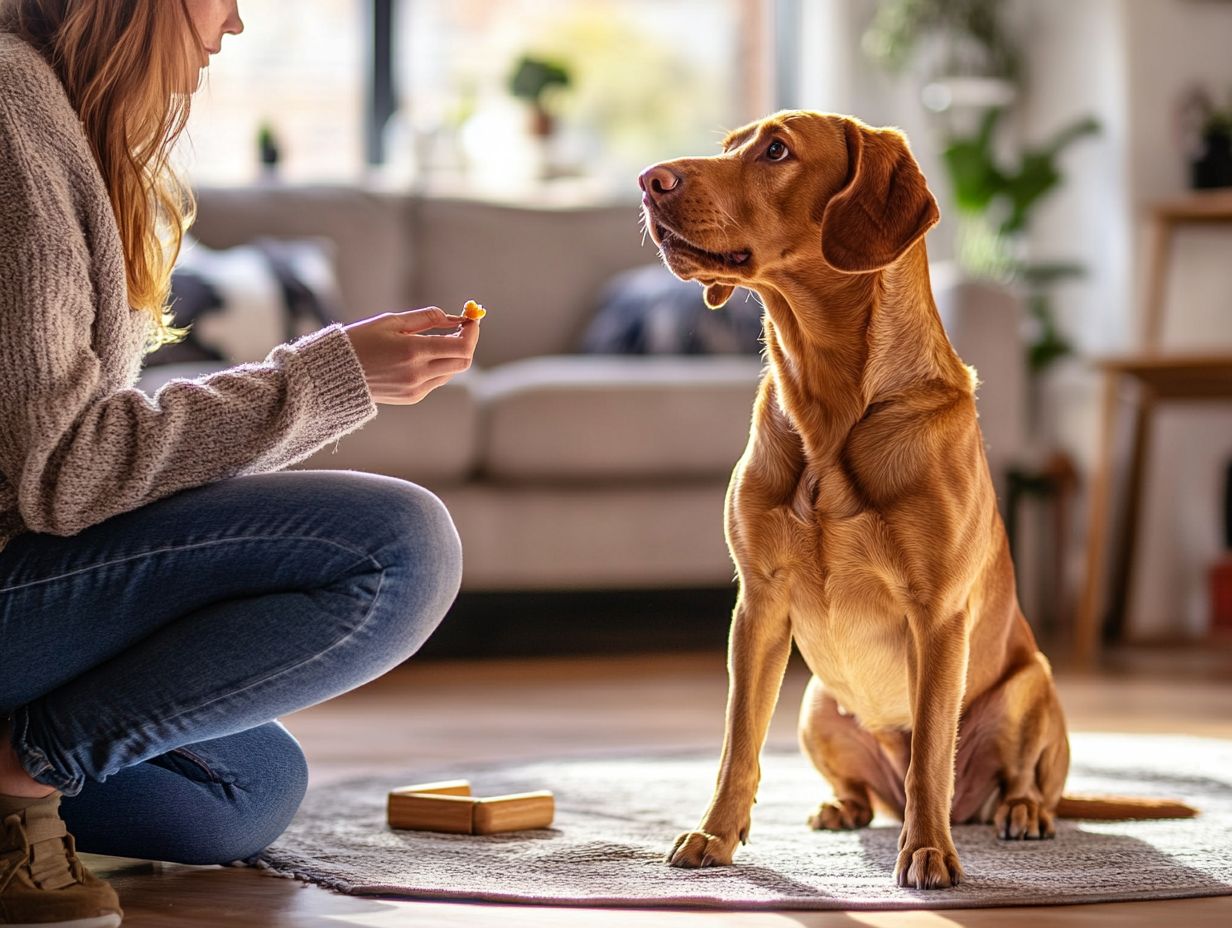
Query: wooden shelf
x=1165 y=376
x=1177 y=377
x=1206 y=206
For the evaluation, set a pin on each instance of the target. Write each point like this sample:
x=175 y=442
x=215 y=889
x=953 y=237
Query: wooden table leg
x=1064 y=481
x=1121 y=577
x=1090 y=608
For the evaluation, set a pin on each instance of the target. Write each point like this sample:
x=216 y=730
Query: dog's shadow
x=1078 y=865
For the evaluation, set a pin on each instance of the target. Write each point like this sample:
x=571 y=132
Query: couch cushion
x=370 y=231
x=573 y=418
x=538 y=270
x=558 y=537
x=434 y=442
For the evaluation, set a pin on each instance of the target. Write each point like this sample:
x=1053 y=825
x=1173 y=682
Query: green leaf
x=532 y=76
x=1039 y=174
x=974 y=174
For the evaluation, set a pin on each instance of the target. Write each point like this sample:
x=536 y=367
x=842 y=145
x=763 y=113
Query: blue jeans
x=144 y=659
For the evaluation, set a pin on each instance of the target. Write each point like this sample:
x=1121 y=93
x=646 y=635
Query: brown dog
x=861 y=516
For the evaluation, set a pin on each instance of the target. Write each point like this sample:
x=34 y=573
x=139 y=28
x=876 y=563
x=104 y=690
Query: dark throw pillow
x=649 y=311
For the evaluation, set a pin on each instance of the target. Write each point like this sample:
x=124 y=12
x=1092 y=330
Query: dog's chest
x=854 y=639
x=866 y=675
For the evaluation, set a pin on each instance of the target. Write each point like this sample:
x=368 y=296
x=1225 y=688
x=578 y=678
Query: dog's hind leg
x=1034 y=754
x=863 y=769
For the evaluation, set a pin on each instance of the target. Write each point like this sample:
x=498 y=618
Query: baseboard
x=524 y=624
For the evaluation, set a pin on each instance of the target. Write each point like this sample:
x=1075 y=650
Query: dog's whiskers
x=730 y=220
x=644 y=221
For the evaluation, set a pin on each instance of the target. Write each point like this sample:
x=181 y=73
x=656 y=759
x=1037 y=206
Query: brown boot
x=42 y=883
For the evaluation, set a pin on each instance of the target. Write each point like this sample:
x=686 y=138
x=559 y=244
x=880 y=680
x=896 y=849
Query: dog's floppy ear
x=717 y=295
x=885 y=206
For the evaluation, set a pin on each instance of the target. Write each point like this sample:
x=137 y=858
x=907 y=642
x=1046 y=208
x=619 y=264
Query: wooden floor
x=457 y=713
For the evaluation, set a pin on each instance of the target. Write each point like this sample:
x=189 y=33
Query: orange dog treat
x=473 y=310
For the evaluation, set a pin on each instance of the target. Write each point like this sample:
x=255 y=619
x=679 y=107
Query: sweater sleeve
x=78 y=451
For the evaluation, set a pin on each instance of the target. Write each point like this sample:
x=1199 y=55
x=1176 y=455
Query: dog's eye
x=777 y=151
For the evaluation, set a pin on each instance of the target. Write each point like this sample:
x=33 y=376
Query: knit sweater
x=79 y=442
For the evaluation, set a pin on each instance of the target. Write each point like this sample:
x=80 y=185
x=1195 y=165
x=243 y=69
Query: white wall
x=1076 y=68
x=1171 y=44
x=836 y=77
x=1127 y=63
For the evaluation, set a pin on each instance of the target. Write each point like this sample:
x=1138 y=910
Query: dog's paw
x=840 y=815
x=695 y=849
x=927 y=868
x=1023 y=818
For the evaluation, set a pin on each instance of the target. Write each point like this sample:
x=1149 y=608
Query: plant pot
x=1214 y=168
x=542 y=123
x=1220 y=576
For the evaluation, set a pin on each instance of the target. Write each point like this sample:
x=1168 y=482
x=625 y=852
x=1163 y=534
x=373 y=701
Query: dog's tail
x=1121 y=808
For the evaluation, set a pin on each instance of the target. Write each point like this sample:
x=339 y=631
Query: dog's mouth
x=672 y=243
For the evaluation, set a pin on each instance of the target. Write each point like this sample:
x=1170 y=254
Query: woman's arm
x=77 y=449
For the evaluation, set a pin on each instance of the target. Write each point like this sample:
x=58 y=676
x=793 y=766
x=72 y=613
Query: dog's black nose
x=658 y=181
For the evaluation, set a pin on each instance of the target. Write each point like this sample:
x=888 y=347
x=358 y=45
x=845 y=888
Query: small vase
x=1214 y=168
x=542 y=123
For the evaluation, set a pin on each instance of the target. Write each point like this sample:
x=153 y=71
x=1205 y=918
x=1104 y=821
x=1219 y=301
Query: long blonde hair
x=128 y=70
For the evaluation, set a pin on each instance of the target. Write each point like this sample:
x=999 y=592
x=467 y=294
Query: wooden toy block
x=431 y=812
x=516 y=812
x=448 y=806
x=440 y=787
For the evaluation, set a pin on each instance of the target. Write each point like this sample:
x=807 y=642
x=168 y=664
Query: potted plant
x=1209 y=131
x=531 y=79
x=995 y=203
x=269 y=153
x=973 y=76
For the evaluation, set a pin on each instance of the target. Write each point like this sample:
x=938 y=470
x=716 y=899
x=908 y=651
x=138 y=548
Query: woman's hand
x=401 y=364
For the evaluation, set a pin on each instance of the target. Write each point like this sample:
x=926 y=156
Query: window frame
x=380 y=86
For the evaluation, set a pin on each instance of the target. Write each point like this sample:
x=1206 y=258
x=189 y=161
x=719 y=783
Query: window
x=300 y=68
x=648 y=79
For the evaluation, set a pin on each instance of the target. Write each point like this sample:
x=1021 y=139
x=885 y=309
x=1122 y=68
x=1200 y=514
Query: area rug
x=617 y=816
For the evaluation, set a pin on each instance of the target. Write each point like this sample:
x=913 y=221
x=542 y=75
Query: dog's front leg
x=758 y=649
x=927 y=858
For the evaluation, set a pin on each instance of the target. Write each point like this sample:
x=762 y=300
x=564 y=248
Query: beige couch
x=561 y=471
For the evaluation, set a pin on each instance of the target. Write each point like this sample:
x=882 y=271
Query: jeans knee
x=408 y=575
x=213 y=802
x=267 y=794
x=273 y=796
x=423 y=565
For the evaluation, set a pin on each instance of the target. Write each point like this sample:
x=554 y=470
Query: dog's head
x=795 y=188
